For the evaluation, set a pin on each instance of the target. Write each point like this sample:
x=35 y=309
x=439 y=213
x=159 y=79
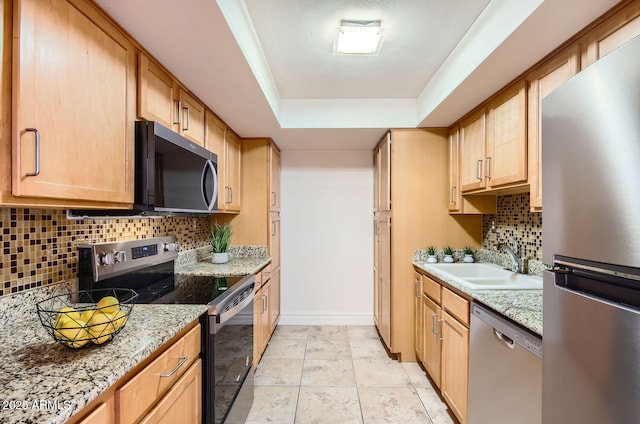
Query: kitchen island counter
x=522 y=306
x=42 y=381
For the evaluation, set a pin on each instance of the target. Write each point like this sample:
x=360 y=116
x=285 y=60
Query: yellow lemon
x=100 y=328
x=86 y=315
x=119 y=319
x=108 y=305
x=73 y=331
x=66 y=312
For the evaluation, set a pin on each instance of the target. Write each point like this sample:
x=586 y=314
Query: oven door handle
x=225 y=316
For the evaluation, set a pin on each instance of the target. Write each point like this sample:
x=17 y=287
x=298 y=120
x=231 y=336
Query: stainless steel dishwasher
x=505 y=371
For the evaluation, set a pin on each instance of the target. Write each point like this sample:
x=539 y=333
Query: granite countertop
x=42 y=381
x=235 y=267
x=522 y=306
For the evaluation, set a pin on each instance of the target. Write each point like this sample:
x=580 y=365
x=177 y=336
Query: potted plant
x=219 y=239
x=431 y=251
x=448 y=254
x=468 y=254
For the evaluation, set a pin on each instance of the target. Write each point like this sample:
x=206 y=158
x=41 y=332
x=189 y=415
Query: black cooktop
x=187 y=289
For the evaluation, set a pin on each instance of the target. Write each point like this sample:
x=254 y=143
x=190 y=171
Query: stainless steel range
x=147 y=266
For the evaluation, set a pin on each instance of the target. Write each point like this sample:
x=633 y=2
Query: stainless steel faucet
x=516 y=265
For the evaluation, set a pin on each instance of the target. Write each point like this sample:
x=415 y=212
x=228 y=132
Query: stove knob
x=106 y=259
x=172 y=247
x=119 y=256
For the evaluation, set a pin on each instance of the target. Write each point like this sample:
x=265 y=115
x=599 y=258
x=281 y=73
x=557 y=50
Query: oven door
x=230 y=366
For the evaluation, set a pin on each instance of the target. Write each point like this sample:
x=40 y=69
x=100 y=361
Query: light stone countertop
x=42 y=381
x=235 y=267
x=522 y=306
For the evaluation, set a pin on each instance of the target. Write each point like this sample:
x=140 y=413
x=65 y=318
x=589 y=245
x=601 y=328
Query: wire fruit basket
x=86 y=317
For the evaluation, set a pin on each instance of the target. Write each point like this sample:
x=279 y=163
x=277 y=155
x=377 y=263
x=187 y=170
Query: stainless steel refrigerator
x=591 y=236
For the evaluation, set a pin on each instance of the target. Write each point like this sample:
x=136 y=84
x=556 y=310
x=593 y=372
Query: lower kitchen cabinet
x=166 y=389
x=418 y=318
x=445 y=342
x=266 y=301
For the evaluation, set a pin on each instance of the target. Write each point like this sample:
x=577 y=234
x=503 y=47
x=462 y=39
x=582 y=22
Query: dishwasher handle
x=508 y=342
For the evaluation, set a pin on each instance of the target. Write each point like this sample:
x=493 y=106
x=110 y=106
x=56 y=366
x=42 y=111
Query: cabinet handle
x=183 y=359
x=178 y=111
x=264 y=303
x=273 y=198
x=230 y=194
x=433 y=324
x=487 y=167
x=273 y=229
x=453 y=194
x=479 y=170
x=186 y=120
x=418 y=296
x=439 y=333
x=37 y=171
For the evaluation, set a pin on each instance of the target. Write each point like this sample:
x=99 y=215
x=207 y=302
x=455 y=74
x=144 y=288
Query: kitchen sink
x=485 y=276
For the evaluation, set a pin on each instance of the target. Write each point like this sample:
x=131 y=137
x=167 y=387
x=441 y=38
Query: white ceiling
x=267 y=68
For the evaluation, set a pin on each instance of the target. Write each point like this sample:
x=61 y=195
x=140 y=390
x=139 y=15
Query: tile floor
x=340 y=375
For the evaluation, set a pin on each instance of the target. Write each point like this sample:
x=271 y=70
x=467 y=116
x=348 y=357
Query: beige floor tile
x=435 y=407
x=328 y=405
x=416 y=374
x=380 y=373
x=367 y=348
x=286 y=348
x=328 y=372
x=279 y=372
x=299 y=332
x=392 y=405
x=331 y=332
x=273 y=404
x=362 y=332
x=328 y=348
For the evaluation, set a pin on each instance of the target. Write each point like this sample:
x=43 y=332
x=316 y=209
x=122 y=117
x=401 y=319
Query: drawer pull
x=183 y=359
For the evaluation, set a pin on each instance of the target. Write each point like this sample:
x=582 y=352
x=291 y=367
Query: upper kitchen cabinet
x=493 y=143
x=459 y=204
x=73 y=96
x=416 y=160
x=162 y=99
x=156 y=93
x=610 y=34
x=382 y=173
x=542 y=81
x=274 y=178
x=224 y=143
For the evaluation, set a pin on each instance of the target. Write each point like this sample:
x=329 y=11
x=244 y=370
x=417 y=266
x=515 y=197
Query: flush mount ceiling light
x=358 y=38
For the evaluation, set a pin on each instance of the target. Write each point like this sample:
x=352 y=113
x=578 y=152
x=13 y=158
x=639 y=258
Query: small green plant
x=431 y=250
x=448 y=250
x=468 y=250
x=220 y=237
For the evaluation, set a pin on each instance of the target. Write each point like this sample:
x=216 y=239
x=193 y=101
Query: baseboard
x=325 y=319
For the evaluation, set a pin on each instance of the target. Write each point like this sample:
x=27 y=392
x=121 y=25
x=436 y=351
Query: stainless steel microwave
x=172 y=176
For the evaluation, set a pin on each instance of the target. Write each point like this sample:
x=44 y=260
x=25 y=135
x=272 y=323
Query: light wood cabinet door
x=264 y=324
x=157 y=97
x=506 y=158
x=74 y=93
x=384 y=277
x=472 y=153
x=542 y=81
x=233 y=171
x=216 y=132
x=376 y=274
x=454 y=165
x=183 y=403
x=191 y=121
x=432 y=323
x=455 y=365
x=418 y=317
x=384 y=174
x=274 y=301
x=274 y=239
x=610 y=34
x=103 y=414
x=274 y=178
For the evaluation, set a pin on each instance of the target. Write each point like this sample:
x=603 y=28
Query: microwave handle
x=209 y=166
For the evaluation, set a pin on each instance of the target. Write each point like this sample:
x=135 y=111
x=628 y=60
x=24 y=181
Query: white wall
x=327 y=238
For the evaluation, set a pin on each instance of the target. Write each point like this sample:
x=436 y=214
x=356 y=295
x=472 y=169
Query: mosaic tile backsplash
x=514 y=221
x=39 y=246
